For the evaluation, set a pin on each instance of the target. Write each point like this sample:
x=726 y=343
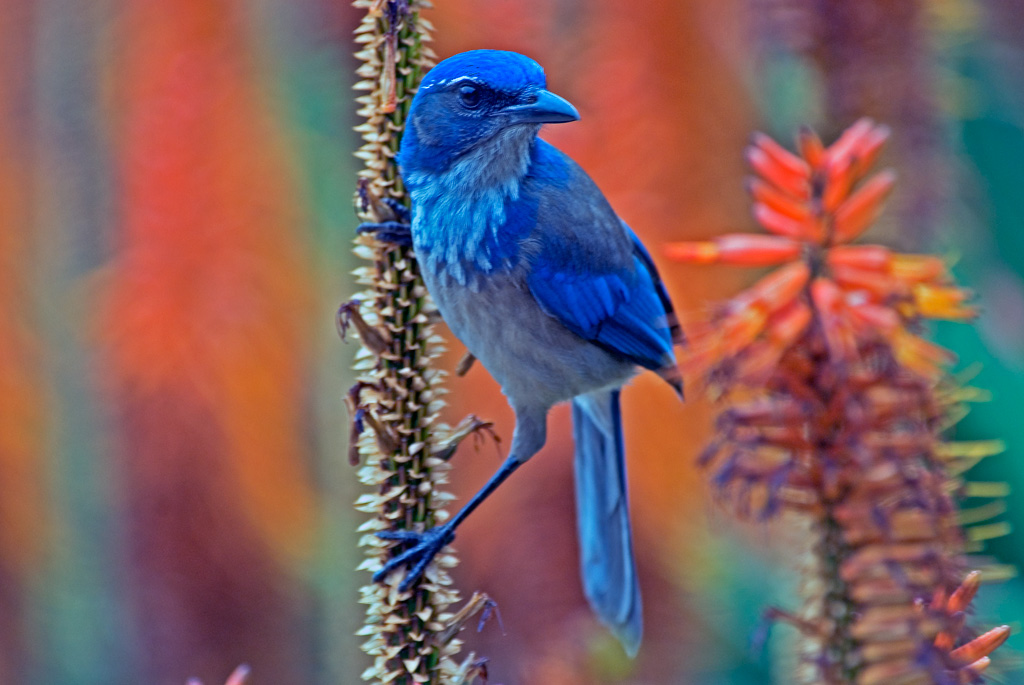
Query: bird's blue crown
x=500 y=69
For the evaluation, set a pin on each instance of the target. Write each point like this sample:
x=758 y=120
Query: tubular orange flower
x=783 y=224
x=858 y=212
x=814 y=206
x=743 y=249
x=778 y=201
x=782 y=176
x=838 y=408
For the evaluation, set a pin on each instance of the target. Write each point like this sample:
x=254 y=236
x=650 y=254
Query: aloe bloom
x=834 y=405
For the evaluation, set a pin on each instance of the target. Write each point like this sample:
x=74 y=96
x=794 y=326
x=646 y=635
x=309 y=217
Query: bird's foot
x=394 y=232
x=423 y=548
x=402 y=212
x=398 y=231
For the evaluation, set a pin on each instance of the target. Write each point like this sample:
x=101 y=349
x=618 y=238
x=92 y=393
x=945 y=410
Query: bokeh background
x=175 y=225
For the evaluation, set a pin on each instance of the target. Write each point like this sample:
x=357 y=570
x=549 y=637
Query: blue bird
x=554 y=294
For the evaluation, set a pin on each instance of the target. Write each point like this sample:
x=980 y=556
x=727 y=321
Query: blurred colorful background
x=175 y=221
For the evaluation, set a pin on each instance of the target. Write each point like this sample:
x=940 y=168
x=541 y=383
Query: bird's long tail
x=602 y=515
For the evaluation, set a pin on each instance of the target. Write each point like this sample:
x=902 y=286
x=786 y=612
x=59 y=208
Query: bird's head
x=478 y=100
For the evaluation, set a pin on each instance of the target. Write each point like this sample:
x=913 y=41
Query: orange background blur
x=175 y=224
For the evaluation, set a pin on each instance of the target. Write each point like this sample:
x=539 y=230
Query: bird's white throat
x=458 y=213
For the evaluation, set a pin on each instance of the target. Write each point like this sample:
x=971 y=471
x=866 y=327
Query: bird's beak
x=548 y=108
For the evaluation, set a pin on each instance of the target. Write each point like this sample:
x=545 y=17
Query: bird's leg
x=397 y=232
x=527 y=439
x=427 y=544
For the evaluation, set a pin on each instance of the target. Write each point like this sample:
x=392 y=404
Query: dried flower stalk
x=395 y=403
x=833 y=414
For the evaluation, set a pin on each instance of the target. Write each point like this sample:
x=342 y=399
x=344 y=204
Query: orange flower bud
x=777 y=200
x=838 y=183
x=786 y=325
x=781 y=176
x=862 y=208
x=825 y=295
x=956 y=605
x=781 y=156
x=872 y=145
x=781 y=224
x=781 y=331
x=964 y=595
x=877 y=285
x=741 y=328
x=870 y=257
x=981 y=646
x=736 y=248
x=775 y=290
x=828 y=300
x=702 y=252
x=849 y=143
x=875 y=318
x=758 y=360
x=810 y=147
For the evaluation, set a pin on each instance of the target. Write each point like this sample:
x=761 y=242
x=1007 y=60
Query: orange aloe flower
x=835 y=406
x=814 y=205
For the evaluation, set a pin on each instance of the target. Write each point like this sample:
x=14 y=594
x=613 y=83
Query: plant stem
x=397 y=391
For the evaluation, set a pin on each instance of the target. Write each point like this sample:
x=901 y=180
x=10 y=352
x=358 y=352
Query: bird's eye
x=470 y=97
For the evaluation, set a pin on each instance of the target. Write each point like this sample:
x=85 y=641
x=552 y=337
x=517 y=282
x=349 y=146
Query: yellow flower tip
x=918 y=354
x=942 y=302
x=916 y=268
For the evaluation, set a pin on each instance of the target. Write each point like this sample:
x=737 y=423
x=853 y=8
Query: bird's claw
x=402 y=212
x=395 y=232
x=423 y=548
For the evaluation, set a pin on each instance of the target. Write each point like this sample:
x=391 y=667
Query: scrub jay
x=554 y=294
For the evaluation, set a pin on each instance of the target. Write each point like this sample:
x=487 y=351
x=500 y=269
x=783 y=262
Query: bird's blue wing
x=589 y=270
x=620 y=310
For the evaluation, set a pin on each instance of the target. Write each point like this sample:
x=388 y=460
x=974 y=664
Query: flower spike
x=834 y=410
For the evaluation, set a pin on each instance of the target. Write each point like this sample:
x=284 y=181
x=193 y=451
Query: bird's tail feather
x=606 y=546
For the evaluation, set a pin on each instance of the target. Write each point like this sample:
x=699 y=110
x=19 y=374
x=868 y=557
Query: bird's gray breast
x=535 y=358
